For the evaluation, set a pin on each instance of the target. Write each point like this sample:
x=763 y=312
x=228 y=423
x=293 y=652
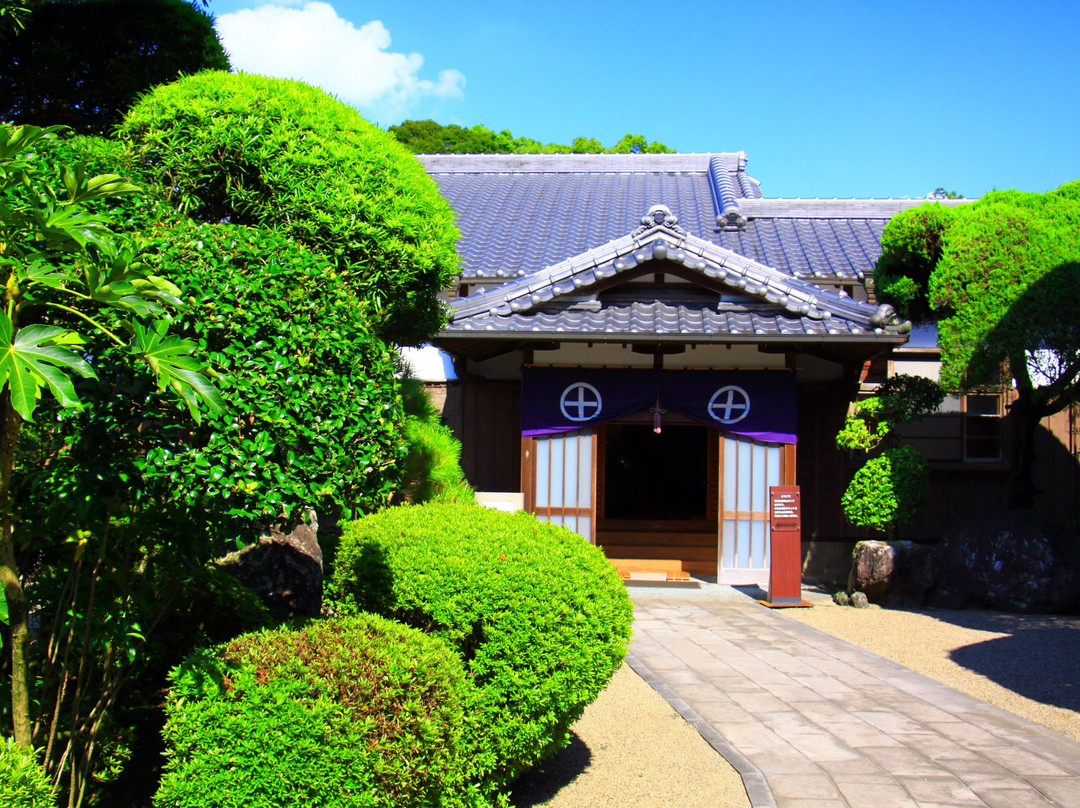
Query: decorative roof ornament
x=883 y=316
x=731 y=219
x=725 y=195
x=659 y=216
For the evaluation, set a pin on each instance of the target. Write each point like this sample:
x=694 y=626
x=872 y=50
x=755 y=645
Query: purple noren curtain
x=757 y=404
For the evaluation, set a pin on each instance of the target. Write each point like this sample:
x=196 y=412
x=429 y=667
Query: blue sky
x=826 y=98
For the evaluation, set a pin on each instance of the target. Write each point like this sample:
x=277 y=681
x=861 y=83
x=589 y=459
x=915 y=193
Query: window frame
x=969 y=418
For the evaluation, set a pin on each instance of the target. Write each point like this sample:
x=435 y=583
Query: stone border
x=757 y=789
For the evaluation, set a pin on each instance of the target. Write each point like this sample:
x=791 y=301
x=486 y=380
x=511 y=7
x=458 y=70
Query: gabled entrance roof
x=791 y=306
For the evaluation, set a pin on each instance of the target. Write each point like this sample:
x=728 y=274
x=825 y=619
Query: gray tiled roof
x=549 y=300
x=519 y=213
x=662 y=239
x=636 y=319
x=542 y=232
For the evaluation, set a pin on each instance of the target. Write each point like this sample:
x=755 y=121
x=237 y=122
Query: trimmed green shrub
x=277 y=153
x=538 y=615
x=912 y=245
x=889 y=489
x=356 y=711
x=23 y=783
x=314 y=417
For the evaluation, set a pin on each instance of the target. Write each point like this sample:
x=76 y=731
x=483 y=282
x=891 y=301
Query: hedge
x=348 y=712
x=538 y=615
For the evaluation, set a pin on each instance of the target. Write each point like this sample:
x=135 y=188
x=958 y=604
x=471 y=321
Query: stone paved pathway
x=811 y=721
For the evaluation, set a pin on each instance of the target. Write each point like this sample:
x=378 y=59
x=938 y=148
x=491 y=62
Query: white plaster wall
x=700 y=356
x=503 y=366
x=429 y=364
x=812 y=370
x=579 y=353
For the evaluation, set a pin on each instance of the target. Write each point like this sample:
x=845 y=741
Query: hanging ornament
x=657 y=412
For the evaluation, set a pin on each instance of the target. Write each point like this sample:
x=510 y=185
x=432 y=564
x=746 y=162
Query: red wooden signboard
x=785 y=568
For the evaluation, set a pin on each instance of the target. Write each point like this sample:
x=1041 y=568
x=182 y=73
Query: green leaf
x=64 y=224
x=170 y=359
x=37 y=358
x=105 y=185
x=43 y=272
x=123 y=281
x=3 y=607
x=80 y=189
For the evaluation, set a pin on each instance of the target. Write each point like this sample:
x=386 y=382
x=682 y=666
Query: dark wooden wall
x=823 y=471
x=957 y=491
x=486 y=417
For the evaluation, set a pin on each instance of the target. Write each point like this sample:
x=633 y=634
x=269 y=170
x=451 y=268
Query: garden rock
x=1006 y=561
x=284 y=569
x=895 y=573
x=859 y=601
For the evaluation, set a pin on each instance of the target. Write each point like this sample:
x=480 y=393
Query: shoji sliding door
x=748 y=469
x=560 y=470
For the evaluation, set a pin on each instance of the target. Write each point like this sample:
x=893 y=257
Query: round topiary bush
x=272 y=152
x=342 y=713
x=23 y=783
x=538 y=615
x=888 y=490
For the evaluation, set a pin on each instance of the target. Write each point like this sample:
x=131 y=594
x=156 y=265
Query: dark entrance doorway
x=655 y=476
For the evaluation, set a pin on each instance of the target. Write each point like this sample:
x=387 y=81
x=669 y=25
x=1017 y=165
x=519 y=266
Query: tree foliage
x=432 y=466
x=1007 y=284
x=124 y=489
x=911 y=247
x=119 y=498
x=429 y=137
x=64 y=268
x=281 y=154
x=1002 y=277
x=23 y=783
x=13 y=15
x=311 y=418
x=82 y=63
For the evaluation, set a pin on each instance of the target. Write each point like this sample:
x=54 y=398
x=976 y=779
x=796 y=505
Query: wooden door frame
x=529 y=480
x=787 y=477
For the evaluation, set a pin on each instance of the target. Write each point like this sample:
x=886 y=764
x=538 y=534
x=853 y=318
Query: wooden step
x=664 y=569
x=657 y=551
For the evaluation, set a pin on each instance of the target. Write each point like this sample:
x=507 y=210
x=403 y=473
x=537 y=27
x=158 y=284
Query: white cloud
x=313 y=44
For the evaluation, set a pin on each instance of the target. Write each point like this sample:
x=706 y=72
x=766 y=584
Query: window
x=965 y=429
x=982 y=427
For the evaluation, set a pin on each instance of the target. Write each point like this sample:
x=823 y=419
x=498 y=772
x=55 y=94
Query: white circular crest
x=581 y=402
x=729 y=405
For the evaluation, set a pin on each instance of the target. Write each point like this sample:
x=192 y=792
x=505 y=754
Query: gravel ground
x=631 y=749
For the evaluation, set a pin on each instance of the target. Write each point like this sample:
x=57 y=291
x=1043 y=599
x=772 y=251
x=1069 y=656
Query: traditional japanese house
x=644 y=344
